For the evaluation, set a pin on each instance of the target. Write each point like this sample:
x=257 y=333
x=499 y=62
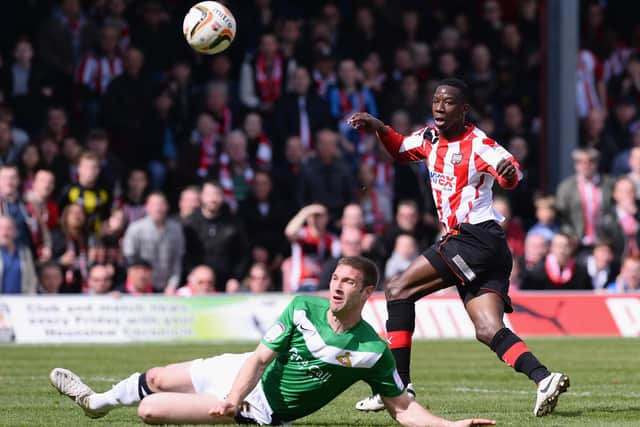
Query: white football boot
x=69 y=384
x=549 y=389
x=374 y=403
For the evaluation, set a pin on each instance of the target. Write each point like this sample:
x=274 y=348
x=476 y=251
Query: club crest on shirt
x=344 y=359
x=456 y=158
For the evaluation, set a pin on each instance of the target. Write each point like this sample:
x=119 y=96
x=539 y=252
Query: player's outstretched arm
x=245 y=381
x=408 y=412
x=365 y=121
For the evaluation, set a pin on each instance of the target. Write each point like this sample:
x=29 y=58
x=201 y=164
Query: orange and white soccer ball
x=209 y=27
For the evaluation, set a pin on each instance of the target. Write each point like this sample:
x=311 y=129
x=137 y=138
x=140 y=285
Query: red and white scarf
x=557 y=275
x=590 y=200
x=208 y=154
x=263 y=152
x=346 y=106
x=226 y=179
x=269 y=84
x=223 y=121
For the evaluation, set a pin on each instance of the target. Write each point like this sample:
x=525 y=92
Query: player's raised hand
x=506 y=169
x=365 y=121
x=473 y=422
x=223 y=409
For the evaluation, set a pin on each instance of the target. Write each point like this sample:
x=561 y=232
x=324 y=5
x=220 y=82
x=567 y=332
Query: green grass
x=457 y=379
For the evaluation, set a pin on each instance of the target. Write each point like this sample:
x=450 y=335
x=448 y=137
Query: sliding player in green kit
x=317 y=349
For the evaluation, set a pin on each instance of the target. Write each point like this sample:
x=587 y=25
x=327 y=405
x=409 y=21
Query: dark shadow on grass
x=595 y=410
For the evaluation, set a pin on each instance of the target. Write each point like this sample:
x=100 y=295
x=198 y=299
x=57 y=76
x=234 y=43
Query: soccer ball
x=209 y=27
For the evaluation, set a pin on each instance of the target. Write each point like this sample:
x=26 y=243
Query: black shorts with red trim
x=475 y=258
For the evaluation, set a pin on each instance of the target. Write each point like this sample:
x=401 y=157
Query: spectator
x=634 y=173
x=215 y=238
x=311 y=245
x=593 y=135
x=558 y=270
x=623 y=163
x=203 y=150
x=28 y=164
x=622 y=121
x=217 y=105
x=11 y=203
x=159 y=152
x=70 y=246
x=9 y=150
x=583 y=198
x=325 y=178
x=301 y=112
x=20 y=136
x=601 y=264
x=99 y=281
x=546 y=224
x=111 y=168
x=66 y=166
x=404 y=252
x=135 y=194
x=374 y=77
x=350 y=245
x=43 y=213
x=259 y=145
x=235 y=172
x=409 y=98
x=189 y=202
x=139 y=276
x=17 y=270
x=160 y=241
x=50 y=278
x=323 y=72
x=591 y=90
x=265 y=218
x=57 y=124
x=536 y=248
x=621 y=224
x=265 y=77
x=353 y=216
x=521 y=198
x=183 y=91
x=108 y=253
x=287 y=173
x=258 y=280
x=482 y=81
x=88 y=194
x=511 y=225
x=201 y=281
x=629 y=278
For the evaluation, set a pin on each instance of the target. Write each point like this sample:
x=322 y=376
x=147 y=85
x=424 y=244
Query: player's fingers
x=482 y=422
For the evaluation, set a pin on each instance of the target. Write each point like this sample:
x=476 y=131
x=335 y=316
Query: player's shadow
x=633 y=410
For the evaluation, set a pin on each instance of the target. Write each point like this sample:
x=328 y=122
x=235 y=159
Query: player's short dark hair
x=368 y=268
x=458 y=84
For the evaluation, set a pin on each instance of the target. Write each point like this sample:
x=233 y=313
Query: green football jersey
x=315 y=364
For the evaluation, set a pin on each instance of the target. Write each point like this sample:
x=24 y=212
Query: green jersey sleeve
x=383 y=377
x=278 y=335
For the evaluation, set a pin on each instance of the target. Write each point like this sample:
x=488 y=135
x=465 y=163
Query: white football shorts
x=215 y=375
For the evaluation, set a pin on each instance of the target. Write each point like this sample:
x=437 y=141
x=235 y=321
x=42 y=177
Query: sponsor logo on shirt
x=441 y=181
x=274 y=332
x=303 y=363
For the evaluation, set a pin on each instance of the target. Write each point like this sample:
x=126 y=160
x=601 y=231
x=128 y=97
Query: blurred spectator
x=62 y=40
x=43 y=213
x=363 y=37
x=591 y=90
x=353 y=217
x=511 y=225
x=350 y=245
x=481 y=80
x=628 y=161
x=138 y=281
x=126 y=105
x=111 y=168
x=629 y=278
x=183 y=91
x=159 y=240
x=20 y=136
x=634 y=173
x=50 y=278
x=215 y=238
x=593 y=135
x=558 y=270
x=134 y=197
x=57 y=124
x=623 y=121
x=25 y=86
x=217 y=104
x=259 y=147
x=159 y=151
x=11 y=203
x=265 y=218
x=583 y=198
x=404 y=252
x=301 y=112
x=326 y=178
x=108 y=253
x=521 y=198
x=115 y=225
x=99 y=281
x=66 y=165
x=201 y=281
x=627 y=84
x=375 y=204
x=189 y=202
x=70 y=246
x=345 y=98
x=546 y=224
x=87 y=192
x=373 y=75
x=489 y=29
x=409 y=98
x=311 y=245
x=258 y=280
x=9 y=150
x=235 y=172
x=28 y=164
x=287 y=173
x=17 y=270
x=265 y=77
x=204 y=149
x=95 y=71
x=114 y=17
x=621 y=224
x=601 y=264
x=536 y=247
x=323 y=71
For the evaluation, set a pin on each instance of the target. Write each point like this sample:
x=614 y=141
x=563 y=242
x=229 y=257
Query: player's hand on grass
x=472 y=422
x=223 y=409
x=506 y=169
x=365 y=121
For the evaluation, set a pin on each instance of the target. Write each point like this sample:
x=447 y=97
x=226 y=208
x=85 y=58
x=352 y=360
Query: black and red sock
x=400 y=326
x=515 y=353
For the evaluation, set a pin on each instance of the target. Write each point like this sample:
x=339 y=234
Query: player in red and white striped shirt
x=463 y=164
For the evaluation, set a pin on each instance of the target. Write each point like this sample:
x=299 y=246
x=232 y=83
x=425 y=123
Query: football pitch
x=456 y=379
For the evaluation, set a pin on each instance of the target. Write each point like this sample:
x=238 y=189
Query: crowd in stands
x=131 y=164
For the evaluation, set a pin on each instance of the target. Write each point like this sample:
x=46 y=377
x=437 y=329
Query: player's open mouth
x=439 y=121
